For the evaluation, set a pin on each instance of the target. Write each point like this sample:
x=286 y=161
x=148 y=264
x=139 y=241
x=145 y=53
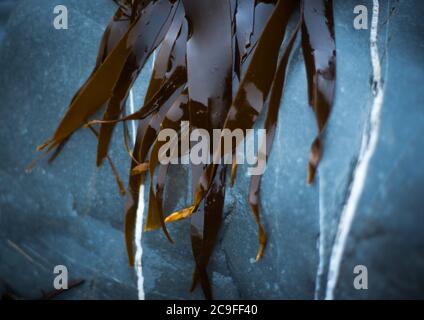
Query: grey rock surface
x=71 y=213
x=6 y=6
x=387 y=231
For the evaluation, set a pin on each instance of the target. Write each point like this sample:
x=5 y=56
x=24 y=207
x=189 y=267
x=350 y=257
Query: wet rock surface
x=386 y=233
x=71 y=213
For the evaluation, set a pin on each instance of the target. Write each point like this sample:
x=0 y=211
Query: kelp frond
x=208 y=51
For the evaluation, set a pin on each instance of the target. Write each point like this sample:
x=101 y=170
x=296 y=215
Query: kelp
x=8 y=293
x=220 y=65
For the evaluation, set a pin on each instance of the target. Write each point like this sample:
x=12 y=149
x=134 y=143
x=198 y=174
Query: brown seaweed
x=221 y=64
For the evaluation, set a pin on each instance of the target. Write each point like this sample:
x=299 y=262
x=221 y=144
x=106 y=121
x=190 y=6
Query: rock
x=5 y=8
x=386 y=234
x=302 y=222
x=69 y=213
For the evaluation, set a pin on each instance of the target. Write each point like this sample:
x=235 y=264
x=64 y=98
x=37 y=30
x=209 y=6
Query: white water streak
x=369 y=143
x=139 y=219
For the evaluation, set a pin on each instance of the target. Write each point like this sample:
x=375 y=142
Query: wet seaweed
x=213 y=57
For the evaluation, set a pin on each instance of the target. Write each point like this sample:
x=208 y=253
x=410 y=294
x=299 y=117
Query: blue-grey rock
x=70 y=213
x=386 y=234
x=344 y=131
x=6 y=7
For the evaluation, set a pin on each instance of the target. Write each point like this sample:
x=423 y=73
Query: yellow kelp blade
x=180 y=215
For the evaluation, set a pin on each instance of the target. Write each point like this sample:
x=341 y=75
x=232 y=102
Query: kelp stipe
x=208 y=51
